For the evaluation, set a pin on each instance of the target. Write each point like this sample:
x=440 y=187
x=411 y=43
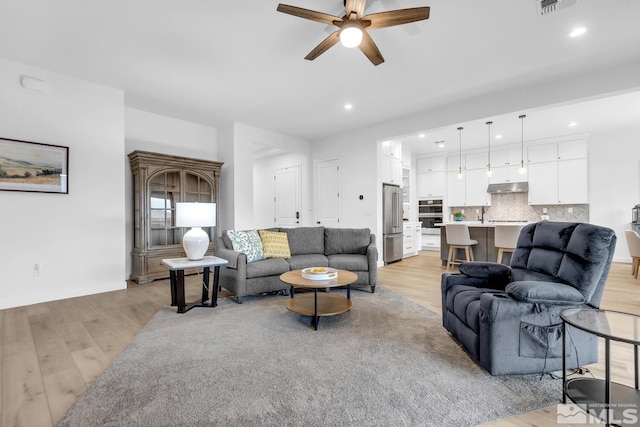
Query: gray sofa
x=352 y=249
x=508 y=318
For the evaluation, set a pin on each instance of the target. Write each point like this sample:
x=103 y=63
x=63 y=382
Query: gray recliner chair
x=508 y=317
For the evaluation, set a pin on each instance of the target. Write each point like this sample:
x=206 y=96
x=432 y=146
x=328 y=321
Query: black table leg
x=607 y=375
x=216 y=286
x=180 y=291
x=205 y=284
x=172 y=284
x=349 y=291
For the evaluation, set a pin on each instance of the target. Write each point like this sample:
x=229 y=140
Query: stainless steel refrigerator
x=392 y=223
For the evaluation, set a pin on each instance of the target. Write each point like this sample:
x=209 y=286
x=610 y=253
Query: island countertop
x=486 y=224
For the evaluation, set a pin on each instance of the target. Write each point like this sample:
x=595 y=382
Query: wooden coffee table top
x=294 y=278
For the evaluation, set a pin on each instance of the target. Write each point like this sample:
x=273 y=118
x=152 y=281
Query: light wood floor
x=51 y=352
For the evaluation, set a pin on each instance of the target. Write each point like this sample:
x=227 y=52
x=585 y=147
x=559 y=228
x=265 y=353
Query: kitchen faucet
x=482 y=217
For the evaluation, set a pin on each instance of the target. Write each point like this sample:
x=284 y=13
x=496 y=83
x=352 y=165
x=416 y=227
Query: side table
x=176 y=276
x=610 y=401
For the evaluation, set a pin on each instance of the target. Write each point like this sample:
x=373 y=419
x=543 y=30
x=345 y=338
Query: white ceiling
x=211 y=62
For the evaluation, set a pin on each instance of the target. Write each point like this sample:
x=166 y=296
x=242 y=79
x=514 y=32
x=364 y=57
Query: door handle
x=297 y=217
x=317 y=222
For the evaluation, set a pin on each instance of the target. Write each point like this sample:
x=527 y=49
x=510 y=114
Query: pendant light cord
x=522 y=139
x=489 y=152
x=460 y=151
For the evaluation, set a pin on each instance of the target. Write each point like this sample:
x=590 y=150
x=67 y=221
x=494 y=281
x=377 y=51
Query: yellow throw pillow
x=275 y=244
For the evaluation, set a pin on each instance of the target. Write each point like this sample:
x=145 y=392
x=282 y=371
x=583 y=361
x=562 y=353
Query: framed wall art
x=32 y=166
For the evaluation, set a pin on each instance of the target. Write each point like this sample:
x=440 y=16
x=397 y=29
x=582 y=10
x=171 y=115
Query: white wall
x=239 y=143
x=357 y=155
x=614 y=180
x=160 y=134
x=77 y=238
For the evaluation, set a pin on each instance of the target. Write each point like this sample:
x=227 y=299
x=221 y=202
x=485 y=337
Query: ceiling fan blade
x=396 y=17
x=356 y=6
x=369 y=48
x=312 y=15
x=324 y=46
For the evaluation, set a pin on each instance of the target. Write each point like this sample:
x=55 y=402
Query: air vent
x=546 y=7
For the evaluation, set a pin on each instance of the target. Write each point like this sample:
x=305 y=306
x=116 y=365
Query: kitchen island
x=484 y=233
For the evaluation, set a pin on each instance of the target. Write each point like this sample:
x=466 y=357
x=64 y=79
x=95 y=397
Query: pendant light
x=522 y=169
x=460 y=174
x=489 y=172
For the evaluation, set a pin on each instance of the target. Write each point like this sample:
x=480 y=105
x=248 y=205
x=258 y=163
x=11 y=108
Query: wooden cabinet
x=159 y=182
x=430 y=164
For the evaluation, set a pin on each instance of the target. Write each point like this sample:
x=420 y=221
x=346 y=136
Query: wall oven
x=430 y=213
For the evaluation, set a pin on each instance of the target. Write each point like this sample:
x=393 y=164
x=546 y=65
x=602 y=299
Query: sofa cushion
x=298 y=262
x=351 y=262
x=247 y=242
x=305 y=240
x=275 y=244
x=346 y=241
x=267 y=267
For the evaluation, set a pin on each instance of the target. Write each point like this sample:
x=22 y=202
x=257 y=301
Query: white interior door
x=287 y=196
x=328 y=193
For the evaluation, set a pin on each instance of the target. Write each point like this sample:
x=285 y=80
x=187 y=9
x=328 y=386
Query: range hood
x=508 y=187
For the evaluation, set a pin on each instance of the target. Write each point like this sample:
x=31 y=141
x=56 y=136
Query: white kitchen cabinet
x=476 y=182
x=543 y=183
x=409 y=240
x=572 y=182
x=430 y=164
x=511 y=173
x=563 y=180
x=391 y=170
x=430 y=184
x=469 y=191
x=417 y=229
x=454 y=163
x=392 y=149
x=431 y=242
x=568 y=150
x=455 y=189
x=542 y=153
x=476 y=161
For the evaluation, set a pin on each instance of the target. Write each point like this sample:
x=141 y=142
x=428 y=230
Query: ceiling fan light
x=351 y=36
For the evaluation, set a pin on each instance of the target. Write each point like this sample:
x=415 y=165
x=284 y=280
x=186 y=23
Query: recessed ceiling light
x=422 y=135
x=498 y=136
x=348 y=106
x=576 y=32
x=572 y=124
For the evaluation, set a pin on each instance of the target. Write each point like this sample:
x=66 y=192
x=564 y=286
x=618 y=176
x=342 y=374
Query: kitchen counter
x=486 y=224
x=486 y=249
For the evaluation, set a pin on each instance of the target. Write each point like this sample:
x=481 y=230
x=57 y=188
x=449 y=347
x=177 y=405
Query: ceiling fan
x=353 y=26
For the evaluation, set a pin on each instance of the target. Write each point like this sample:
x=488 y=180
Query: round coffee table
x=315 y=304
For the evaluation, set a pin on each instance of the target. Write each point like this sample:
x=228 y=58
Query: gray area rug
x=387 y=362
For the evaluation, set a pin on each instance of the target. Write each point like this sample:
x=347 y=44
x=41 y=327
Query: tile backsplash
x=515 y=206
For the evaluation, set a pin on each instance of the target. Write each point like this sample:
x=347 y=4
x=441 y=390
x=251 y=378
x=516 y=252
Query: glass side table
x=610 y=399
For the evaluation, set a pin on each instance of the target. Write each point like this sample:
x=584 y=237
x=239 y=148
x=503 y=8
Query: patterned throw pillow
x=275 y=244
x=248 y=242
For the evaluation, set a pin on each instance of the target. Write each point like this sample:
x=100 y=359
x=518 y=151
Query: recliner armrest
x=491 y=274
x=545 y=293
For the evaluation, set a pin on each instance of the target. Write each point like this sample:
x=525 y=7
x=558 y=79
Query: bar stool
x=633 y=243
x=506 y=238
x=458 y=238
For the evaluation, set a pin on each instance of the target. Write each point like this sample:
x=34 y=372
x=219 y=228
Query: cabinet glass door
x=164 y=192
x=198 y=189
